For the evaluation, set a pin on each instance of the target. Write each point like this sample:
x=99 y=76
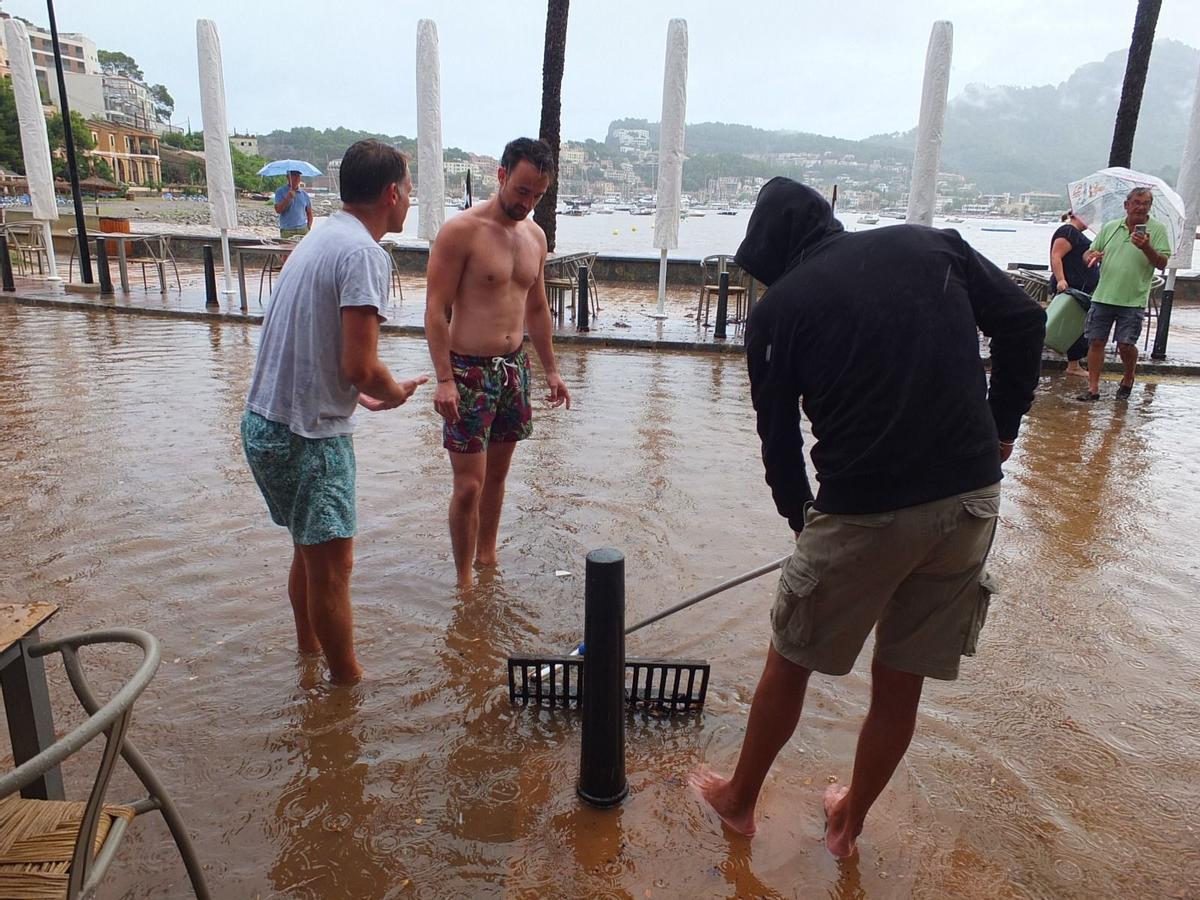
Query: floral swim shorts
x=493 y=402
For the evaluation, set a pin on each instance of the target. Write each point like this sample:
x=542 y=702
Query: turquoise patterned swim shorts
x=308 y=483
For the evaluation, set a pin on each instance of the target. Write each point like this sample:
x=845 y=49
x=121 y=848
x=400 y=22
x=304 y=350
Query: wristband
x=445 y=380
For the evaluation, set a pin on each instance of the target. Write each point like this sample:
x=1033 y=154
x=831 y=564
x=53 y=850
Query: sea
x=620 y=233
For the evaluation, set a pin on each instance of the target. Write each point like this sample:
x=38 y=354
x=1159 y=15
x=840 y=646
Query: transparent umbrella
x=1100 y=198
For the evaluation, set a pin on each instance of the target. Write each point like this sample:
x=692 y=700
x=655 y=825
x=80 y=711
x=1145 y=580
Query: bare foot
x=713 y=790
x=352 y=675
x=838 y=839
x=1077 y=371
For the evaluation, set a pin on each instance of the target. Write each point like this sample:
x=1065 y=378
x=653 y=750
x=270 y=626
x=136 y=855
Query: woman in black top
x=1068 y=270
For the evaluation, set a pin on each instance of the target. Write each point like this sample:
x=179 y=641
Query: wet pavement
x=1063 y=763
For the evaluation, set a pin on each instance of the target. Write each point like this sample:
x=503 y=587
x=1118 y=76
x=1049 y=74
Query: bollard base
x=78 y=287
x=603 y=802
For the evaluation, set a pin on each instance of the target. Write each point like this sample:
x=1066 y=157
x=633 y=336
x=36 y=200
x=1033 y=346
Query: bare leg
x=884 y=738
x=328 y=567
x=469 y=470
x=1129 y=357
x=499 y=458
x=778 y=700
x=306 y=638
x=1095 y=360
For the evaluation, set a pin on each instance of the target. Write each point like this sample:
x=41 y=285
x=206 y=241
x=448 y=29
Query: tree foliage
x=245 y=172
x=164 y=103
x=189 y=141
x=81 y=137
x=10 y=130
x=116 y=63
x=319 y=147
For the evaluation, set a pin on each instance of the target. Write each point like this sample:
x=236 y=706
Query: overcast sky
x=848 y=68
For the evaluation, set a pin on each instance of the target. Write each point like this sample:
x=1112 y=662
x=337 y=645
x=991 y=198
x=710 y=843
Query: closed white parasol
x=670 y=149
x=222 y=195
x=35 y=145
x=431 y=188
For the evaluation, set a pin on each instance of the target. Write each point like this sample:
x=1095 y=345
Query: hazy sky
x=848 y=68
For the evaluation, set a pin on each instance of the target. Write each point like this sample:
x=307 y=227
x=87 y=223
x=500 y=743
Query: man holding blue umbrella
x=294 y=207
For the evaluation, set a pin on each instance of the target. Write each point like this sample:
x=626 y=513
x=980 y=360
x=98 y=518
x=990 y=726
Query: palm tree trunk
x=1144 y=23
x=552 y=75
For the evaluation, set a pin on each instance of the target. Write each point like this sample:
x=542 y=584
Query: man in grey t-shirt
x=317 y=360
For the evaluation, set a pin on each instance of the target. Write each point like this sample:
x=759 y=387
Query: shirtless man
x=486 y=265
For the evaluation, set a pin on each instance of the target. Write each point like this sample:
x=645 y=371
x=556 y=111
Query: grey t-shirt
x=297 y=379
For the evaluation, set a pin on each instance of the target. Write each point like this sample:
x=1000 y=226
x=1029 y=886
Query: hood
x=788 y=220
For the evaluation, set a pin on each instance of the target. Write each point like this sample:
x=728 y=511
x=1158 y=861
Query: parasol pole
x=48 y=241
x=85 y=256
x=228 y=291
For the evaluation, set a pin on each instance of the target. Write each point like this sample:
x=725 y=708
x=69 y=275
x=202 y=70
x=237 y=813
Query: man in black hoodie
x=875 y=335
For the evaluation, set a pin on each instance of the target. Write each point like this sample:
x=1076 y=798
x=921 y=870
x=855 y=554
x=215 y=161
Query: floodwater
x=1064 y=763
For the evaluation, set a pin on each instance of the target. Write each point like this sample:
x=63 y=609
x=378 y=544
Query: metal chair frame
x=111 y=718
x=25 y=240
x=563 y=279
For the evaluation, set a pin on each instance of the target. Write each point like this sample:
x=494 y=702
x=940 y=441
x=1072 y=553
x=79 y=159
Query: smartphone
x=1139 y=229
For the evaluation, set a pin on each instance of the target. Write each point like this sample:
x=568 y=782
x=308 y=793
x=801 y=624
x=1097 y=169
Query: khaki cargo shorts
x=915 y=574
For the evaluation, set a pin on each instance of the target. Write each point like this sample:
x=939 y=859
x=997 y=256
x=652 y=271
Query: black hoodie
x=875 y=334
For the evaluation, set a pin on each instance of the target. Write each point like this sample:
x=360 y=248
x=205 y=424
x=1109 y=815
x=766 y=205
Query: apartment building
x=131 y=153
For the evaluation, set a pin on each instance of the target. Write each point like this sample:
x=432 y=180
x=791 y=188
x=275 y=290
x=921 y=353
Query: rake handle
x=704 y=595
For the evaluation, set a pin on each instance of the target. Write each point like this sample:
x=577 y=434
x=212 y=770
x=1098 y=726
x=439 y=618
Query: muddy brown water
x=1064 y=763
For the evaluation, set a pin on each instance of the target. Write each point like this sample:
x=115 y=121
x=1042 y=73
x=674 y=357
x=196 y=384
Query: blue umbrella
x=283 y=166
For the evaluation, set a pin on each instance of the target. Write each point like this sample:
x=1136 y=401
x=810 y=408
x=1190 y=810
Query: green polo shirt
x=1125 y=273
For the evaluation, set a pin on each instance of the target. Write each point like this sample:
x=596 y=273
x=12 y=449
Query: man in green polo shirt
x=1131 y=248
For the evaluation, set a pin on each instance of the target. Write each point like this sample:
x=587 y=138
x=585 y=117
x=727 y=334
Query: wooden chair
x=710 y=283
x=55 y=848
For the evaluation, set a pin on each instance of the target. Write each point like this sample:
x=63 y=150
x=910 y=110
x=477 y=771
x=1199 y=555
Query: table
x=162 y=241
x=26 y=696
x=268 y=252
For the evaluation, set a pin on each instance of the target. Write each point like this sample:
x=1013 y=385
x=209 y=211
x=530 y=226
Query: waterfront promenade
x=624 y=319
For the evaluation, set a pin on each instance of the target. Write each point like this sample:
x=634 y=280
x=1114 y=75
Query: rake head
x=657 y=685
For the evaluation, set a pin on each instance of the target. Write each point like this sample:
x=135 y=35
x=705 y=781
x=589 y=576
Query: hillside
x=1003 y=138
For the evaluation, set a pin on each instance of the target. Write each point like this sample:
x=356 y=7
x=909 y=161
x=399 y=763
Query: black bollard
x=106 y=285
x=6 y=275
x=210 y=278
x=722 y=306
x=602 y=745
x=581 y=309
x=1163 y=328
